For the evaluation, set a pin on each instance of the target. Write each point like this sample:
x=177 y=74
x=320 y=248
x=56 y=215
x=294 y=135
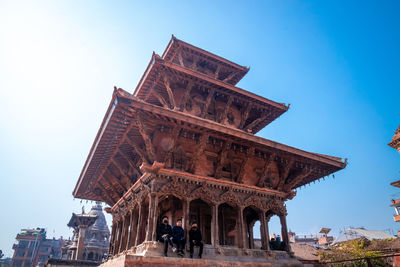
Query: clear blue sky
x=335 y=62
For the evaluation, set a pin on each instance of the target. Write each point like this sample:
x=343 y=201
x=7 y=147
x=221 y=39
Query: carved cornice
x=254 y=201
x=230 y=198
x=174 y=187
x=204 y=193
x=277 y=207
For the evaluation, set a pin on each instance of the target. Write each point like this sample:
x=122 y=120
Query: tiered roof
x=395 y=143
x=220 y=130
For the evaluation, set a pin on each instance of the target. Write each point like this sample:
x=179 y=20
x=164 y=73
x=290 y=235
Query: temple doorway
x=276 y=241
x=228 y=225
x=251 y=216
x=171 y=207
x=200 y=212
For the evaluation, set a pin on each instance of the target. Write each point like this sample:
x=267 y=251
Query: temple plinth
x=183 y=145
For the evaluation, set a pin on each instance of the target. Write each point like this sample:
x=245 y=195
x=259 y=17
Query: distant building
x=322 y=239
x=355 y=233
x=5 y=262
x=33 y=248
x=91 y=236
x=307 y=240
x=325 y=240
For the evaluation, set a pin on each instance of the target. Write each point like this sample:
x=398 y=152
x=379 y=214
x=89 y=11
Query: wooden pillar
x=134 y=222
x=186 y=211
x=285 y=235
x=264 y=231
x=120 y=224
x=151 y=219
x=214 y=226
x=267 y=234
x=241 y=230
x=113 y=230
x=155 y=216
x=251 y=236
x=114 y=245
x=126 y=231
x=172 y=222
x=122 y=231
x=129 y=228
x=138 y=226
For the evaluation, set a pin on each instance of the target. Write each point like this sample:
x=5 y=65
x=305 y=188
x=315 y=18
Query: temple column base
x=151 y=254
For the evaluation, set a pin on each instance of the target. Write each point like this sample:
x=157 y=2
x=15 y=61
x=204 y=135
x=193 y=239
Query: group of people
x=277 y=244
x=175 y=237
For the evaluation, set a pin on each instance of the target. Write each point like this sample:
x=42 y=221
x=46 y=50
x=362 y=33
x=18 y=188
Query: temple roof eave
x=122 y=98
x=175 y=40
x=395 y=143
x=99 y=134
x=396 y=184
x=156 y=62
x=231 y=130
x=76 y=219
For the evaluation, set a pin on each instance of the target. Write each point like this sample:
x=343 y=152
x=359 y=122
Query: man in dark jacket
x=195 y=239
x=178 y=237
x=164 y=234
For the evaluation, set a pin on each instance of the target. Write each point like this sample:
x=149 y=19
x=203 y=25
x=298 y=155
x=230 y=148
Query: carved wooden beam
x=169 y=91
x=152 y=87
x=125 y=174
x=245 y=115
x=105 y=194
x=226 y=110
x=254 y=123
x=115 y=177
x=175 y=135
x=199 y=151
x=131 y=164
x=217 y=71
x=137 y=150
x=297 y=179
x=250 y=154
x=108 y=182
x=178 y=49
x=222 y=158
x=267 y=164
x=284 y=173
x=127 y=130
x=186 y=96
x=230 y=76
x=194 y=63
x=160 y=99
x=180 y=58
x=207 y=103
x=146 y=138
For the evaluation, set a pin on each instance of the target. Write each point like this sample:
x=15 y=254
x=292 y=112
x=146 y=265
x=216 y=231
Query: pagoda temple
x=395 y=143
x=184 y=145
x=90 y=240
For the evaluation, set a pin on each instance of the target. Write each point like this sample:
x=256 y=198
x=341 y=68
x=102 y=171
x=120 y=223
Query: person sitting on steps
x=178 y=237
x=195 y=239
x=164 y=234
